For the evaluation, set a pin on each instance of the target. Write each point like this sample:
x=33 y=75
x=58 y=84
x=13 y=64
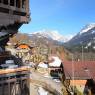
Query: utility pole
x=73 y=71
x=82 y=54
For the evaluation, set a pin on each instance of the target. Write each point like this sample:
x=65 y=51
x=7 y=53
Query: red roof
x=79 y=70
x=23 y=46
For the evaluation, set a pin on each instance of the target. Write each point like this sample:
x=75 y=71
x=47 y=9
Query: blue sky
x=66 y=16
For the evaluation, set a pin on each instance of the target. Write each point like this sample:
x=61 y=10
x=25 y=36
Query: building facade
x=13 y=14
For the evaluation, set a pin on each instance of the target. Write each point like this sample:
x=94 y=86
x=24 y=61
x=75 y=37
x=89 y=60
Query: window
x=18 y=3
x=12 y=2
x=23 y=3
x=5 y=2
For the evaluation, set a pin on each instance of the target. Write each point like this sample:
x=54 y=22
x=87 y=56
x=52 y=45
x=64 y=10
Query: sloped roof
x=23 y=46
x=56 y=62
x=79 y=70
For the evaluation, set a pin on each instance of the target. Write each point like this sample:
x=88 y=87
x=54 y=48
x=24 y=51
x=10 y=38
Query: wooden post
x=9 y=2
x=15 y=87
x=3 y=89
x=9 y=88
x=27 y=6
x=15 y=3
x=21 y=85
x=1 y=1
x=20 y=4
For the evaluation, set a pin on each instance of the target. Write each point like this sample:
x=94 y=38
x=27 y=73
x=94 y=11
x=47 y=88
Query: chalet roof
x=79 y=70
x=24 y=45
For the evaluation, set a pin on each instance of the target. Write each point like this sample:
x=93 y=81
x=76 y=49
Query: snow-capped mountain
x=85 y=37
x=51 y=34
x=87 y=28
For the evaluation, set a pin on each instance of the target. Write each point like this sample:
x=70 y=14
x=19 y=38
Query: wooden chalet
x=80 y=75
x=55 y=66
x=13 y=14
x=24 y=49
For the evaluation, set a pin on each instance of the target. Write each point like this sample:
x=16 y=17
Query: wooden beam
x=15 y=70
x=12 y=80
x=9 y=88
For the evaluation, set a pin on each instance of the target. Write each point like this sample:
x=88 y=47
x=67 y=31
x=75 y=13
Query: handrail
x=20 y=69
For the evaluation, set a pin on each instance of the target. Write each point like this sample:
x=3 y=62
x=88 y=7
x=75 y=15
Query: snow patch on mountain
x=68 y=37
x=89 y=44
x=93 y=47
x=52 y=34
x=87 y=28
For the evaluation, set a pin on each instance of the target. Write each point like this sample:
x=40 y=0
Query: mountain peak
x=87 y=28
x=85 y=37
x=51 y=34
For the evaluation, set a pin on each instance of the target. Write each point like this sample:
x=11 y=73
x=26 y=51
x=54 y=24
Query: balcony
x=14 y=6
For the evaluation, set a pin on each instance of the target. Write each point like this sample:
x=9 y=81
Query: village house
x=24 y=49
x=55 y=66
x=80 y=75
